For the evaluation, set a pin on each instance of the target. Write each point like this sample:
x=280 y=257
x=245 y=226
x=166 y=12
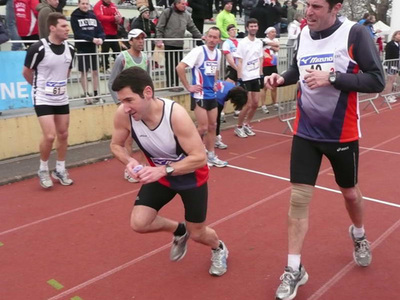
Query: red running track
x=80 y=238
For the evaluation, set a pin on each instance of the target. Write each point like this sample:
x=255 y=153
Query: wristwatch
x=332 y=77
x=169 y=170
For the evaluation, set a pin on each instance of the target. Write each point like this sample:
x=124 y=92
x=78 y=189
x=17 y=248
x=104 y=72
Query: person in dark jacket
x=392 y=49
x=267 y=13
x=202 y=9
x=144 y=23
x=3 y=34
x=392 y=55
x=86 y=27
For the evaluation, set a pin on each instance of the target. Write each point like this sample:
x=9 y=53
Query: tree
x=355 y=9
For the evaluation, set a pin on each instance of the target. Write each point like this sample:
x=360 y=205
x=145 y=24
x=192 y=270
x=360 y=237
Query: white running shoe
x=216 y=162
x=264 y=109
x=45 y=180
x=63 y=177
x=247 y=129
x=240 y=132
x=219 y=257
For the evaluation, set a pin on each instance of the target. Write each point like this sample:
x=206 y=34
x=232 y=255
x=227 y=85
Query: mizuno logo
x=342 y=149
x=316 y=59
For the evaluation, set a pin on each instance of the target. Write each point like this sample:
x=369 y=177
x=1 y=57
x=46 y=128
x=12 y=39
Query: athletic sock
x=60 y=166
x=180 y=230
x=44 y=165
x=220 y=246
x=294 y=261
x=358 y=232
x=210 y=154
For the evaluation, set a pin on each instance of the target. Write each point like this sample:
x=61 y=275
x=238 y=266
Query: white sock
x=210 y=154
x=60 y=166
x=294 y=261
x=358 y=232
x=44 y=165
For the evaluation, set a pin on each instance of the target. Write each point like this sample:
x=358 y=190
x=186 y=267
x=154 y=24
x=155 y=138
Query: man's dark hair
x=238 y=97
x=136 y=78
x=332 y=3
x=251 y=21
x=53 y=18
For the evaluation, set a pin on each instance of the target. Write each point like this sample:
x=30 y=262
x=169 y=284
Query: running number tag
x=210 y=67
x=321 y=62
x=253 y=64
x=56 y=88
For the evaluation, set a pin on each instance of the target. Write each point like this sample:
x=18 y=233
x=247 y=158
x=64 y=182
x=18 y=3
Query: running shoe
x=391 y=99
x=179 y=247
x=129 y=178
x=277 y=106
x=219 y=144
x=264 y=109
x=247 y=129
x=291 y=280
x=45 y=180
x=219 y=257
x=216 y=162
x=362 y=253
x=240 y=132
x=223 y=119
x=62 y=177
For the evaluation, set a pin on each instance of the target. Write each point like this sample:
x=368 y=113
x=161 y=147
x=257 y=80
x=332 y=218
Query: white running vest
x=50 y=80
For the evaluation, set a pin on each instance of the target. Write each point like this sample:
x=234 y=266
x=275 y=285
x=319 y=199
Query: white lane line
x=323 y=289
x=66 y=212
x=158 y=250
x=317 y=186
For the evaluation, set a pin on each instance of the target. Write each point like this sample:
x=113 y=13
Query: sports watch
x=169 y=170
x=332 y=77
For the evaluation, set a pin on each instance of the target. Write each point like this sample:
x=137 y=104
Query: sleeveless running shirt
x=161 y=147
x=325 y=113
x=50 y=79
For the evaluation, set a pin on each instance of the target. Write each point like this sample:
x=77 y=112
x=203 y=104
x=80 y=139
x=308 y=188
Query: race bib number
x=253 y=64
x=210 y=67
x=322 y=62
x=56 y=88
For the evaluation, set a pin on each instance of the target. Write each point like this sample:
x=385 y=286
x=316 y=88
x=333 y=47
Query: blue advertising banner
x=15 y=92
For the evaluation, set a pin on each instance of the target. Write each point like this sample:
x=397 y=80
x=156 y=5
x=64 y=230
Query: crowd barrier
x=15 y=92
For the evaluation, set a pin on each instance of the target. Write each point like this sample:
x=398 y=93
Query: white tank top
x=50 y=80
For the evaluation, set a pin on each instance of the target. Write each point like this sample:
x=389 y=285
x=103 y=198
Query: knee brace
x=300 y=200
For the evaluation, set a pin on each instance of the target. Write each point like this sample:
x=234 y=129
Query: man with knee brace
x=327 y=63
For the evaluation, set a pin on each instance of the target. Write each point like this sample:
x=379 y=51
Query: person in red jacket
x=26 y=19
x=109 y=17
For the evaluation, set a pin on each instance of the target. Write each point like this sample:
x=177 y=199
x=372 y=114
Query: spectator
x=392 y=53
x=292 y=10
x=364 y=18
x=45 y=8
x=271 y=48
x=294 y=31
x=60 y=6
x=172 y=24
x=143 y=22
x=86 y=27
x=225 y=18
x=26 y=19
x=369 y=24
x=267 y=14
x=12 y=26
x=109 y=17
x=3 y=34
x=248 y=6
x=201 y=10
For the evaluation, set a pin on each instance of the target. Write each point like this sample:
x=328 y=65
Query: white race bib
x=55 y=88
x=321 y=62
x=210 y=67
x=253 y=64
